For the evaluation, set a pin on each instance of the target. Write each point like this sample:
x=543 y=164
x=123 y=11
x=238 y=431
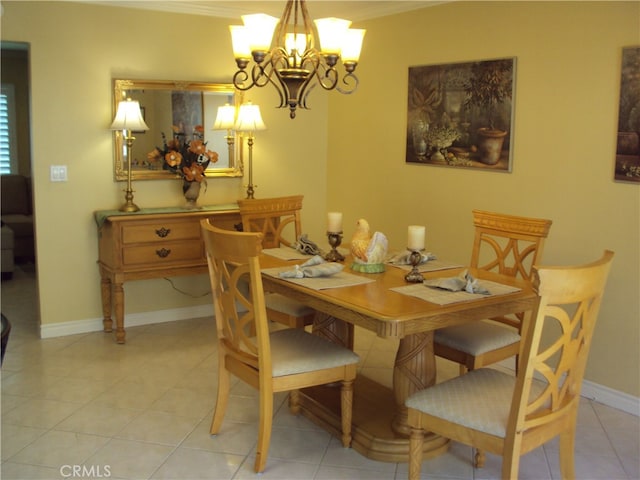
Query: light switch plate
x=58 y=173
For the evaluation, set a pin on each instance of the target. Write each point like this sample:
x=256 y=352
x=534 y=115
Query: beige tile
x=158 y=428
x=277 y=469
x=98 y=419
x=184 y=402
x=129 y=459
x=18 y=471
x=132 y=394
x=198 y=464
x=39 y=412
x=54 y=449
x=16 y=437
x=236 y=438
x=76 y=390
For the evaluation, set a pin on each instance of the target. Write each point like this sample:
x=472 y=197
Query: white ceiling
x=352 y=10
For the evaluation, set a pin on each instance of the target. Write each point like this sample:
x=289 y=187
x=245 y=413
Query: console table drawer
x=162 y=253
x=161 y=232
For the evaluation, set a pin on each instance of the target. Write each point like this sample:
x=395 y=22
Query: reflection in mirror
x=185 y=105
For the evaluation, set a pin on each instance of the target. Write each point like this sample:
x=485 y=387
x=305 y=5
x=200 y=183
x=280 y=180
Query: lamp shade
x=129 y=117
x=249 y=118
x=331 y=32
x=352 y=44
x=260 y=29
x=226 y=118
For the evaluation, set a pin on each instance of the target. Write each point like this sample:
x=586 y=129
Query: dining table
x=385 y=303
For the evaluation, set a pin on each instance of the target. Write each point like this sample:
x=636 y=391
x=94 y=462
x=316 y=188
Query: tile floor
x=82 y=406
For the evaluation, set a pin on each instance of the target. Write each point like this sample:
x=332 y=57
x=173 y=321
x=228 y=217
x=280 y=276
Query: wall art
x=627 y=168
x=461 y=114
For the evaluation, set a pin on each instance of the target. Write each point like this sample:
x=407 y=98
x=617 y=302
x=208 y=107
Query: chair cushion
x=476 y=338
x=295 y=351
x=288 y=306
x=480 y=399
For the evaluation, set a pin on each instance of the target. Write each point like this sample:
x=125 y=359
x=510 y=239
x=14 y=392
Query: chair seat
x=295 y=351
x=288 y=306
x=480 y=400
x=476 y=338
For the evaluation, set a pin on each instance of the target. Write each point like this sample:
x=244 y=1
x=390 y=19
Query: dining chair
x=279 y=221
x=509 y=416
x=284 y=360
x=505 y=244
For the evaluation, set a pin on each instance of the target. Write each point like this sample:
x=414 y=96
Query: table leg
x=105 y=288
x=118 y=297
x=414 y=369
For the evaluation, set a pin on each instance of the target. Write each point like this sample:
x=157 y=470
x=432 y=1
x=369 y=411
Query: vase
x=191 y=193
x=419 y=137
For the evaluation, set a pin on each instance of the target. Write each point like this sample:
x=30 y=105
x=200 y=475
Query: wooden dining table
x=380 y=429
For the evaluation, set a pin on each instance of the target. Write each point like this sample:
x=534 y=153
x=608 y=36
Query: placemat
x=445 y=297
x=342 y=279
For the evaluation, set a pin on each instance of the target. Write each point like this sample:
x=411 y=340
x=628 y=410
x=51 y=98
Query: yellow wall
x=566 y=101
x=76 y=50
x=347 y=153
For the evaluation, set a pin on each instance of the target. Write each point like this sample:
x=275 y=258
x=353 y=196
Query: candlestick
x=334 y=222
x=335 y=239
x=415 y=236
x=414 y=276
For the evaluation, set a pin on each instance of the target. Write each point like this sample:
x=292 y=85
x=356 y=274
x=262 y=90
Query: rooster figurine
x=369 y=251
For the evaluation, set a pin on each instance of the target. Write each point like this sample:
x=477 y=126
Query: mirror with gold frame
x=185 y=104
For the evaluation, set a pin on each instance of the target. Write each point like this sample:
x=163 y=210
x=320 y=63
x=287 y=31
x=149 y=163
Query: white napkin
x=314 y=267
x=402 y=258
x=464 y=281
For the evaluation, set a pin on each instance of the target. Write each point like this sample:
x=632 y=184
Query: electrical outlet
x=58 y=173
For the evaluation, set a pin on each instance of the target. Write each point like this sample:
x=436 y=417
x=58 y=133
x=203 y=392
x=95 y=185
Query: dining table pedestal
x=379 y=425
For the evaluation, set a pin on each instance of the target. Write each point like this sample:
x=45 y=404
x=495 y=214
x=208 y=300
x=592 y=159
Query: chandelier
x=295 y=61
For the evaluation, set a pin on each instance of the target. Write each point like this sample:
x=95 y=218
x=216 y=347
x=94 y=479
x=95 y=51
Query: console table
x=151 y=243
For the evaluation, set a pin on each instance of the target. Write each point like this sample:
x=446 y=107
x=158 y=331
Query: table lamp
x=129 y=118
x=249 y=120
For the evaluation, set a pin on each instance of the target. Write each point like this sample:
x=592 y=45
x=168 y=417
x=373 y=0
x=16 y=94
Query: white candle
x=334 y=222
x=416 y=237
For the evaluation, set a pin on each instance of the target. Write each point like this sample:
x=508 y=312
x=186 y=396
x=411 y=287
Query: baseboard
x=131 y=320
x=596 y=392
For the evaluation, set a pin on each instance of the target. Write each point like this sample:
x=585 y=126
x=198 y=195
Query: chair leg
x=294 y=402
x=567 y=448
x=416 y=440
x=346 y=411
x=221 y=399
x=264 y=429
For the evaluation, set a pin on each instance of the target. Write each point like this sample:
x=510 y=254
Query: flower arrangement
x=187 y=158
x=441 y=137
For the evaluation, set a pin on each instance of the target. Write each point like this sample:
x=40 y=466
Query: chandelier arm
x=327 y=76
x=351 y=81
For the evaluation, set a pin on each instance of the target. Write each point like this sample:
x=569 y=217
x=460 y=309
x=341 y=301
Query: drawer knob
x=163 y=232
x=163 y=253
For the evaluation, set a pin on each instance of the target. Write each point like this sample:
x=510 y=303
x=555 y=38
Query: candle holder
x=414 y=276
x=335 y=239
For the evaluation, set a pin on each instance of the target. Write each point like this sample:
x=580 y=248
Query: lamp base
x=129 y=207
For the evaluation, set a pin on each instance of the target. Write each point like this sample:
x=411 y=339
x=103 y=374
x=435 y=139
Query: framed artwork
x=461 y=114
x=627 y=168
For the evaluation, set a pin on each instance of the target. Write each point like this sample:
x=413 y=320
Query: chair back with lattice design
x=238 y=296
x=271 y=217
x=556 y=346
x=508 y=244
